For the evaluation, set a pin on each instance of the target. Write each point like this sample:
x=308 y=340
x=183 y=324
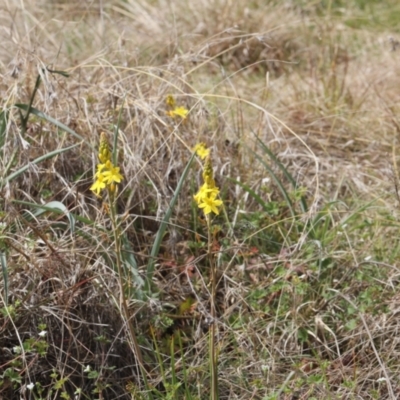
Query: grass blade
x=3 y=127
x=278 y=182
x=157 y=242
x=4 y=270
x=252 y=193
x=36 y=161
x=58 y=207
x=65 y=128
x=131 y=264
x=288 y=176
x=116 y=132
x=28 y=108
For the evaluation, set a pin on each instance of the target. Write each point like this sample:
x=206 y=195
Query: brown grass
x=321 y=95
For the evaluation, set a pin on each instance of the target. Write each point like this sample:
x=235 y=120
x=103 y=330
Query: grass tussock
x=279 y=279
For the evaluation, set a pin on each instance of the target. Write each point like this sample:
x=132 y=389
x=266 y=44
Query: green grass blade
x=160 y=234
x=116 y=132
x=175 y=383
x=131 y=264
x=252 y=193
x=272 y=156
x=60 y=125
x=28 y=108
x=4 y=270
x=278 y=182
x=184 y=368
x=3 y=127
x=58 y=207
x=62 y=73
x=76 y=217
x=36 y=161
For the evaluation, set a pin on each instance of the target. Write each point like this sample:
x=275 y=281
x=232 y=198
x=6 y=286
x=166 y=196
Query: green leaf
x=4 y=271
x=36 y=161
x=12 y=375
x=278 y=182
x=55 y=71
x=60 y=383
x=116 y=132
x=3 y=127
x=252 y=193
x=351 y=324
x=131 y=264
x=288 y=176
x=65 y=128
x=58 y=208
x=93 y=374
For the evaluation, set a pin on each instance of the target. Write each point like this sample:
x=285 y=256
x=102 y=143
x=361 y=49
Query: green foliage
x=4 y=115
x=13 y=376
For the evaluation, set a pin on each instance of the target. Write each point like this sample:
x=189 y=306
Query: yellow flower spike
x=107 y=175
x=104 y=149
x=170 y=101
x=208 y=173
x=201 y=150
x=206 y=197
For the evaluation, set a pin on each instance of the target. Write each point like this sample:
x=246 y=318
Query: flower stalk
x=207 y=199
x=107 y=178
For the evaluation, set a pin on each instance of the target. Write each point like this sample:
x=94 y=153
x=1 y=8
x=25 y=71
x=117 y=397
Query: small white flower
x=30 y=386
x=367 y=258
x=17 y=349
x=264 y=368
x=87 y=369
x=43 y=333
x=381 y=380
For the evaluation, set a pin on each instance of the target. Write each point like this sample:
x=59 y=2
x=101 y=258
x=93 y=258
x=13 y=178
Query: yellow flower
x=112 y=175
x=210 y=204
x=204 y=192
x=98 y=185
x=207 y=196
x=178 y=112
x=101 y=168
x=201 y=150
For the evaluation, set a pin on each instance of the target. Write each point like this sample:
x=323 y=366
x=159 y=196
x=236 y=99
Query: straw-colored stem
x=213 y=353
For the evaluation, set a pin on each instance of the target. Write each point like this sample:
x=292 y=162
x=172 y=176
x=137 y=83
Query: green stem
x=213 y=354
x=123 y=302
x=24 y=121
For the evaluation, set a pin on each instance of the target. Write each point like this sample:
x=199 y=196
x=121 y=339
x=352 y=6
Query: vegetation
x=199 y=200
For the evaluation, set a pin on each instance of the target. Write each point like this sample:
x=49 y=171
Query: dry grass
x=307 y=305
